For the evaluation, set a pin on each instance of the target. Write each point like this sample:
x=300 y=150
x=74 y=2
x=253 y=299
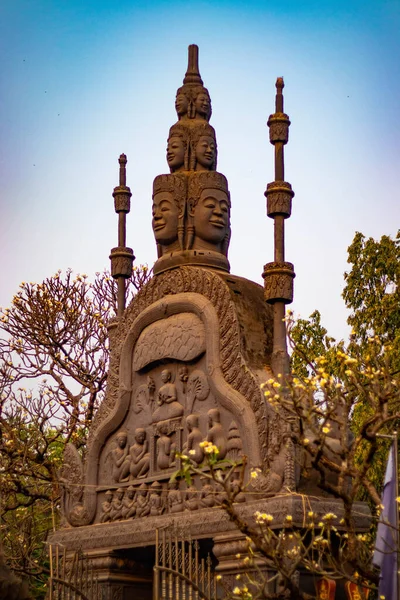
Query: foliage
x=53 y=373
x=372 y=293
x=320 y=407
x=311 y=340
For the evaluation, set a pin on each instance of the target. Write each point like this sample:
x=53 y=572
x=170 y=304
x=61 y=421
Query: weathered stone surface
x=278 y=124
x=278 y=277
x=279 y=196
x=206 y=522
x=121 y=262
x=153 y=390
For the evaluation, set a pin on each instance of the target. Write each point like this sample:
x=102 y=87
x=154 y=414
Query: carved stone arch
x=228 y=368
x=229 y=398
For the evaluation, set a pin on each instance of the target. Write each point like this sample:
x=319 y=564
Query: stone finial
x=193 y=102
x=122 y=169
x=279 y=96
x=122 y=195
x=192 y=74
x=278 y=275
x=121 y=257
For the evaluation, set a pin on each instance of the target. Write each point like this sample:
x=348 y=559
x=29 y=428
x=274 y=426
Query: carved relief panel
x=173 y=407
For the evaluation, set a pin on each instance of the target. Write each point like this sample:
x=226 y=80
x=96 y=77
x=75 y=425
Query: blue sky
x=84 y=81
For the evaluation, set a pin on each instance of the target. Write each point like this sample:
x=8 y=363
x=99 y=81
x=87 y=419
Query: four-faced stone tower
x=187 y=360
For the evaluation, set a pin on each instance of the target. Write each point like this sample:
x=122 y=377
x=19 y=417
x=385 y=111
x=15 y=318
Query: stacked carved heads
x=191 y=206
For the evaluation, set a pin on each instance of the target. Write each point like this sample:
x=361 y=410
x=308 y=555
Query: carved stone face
x=140 y=436
x=202 y=104
x=121 y=440
x=213 y=416
x=165 y=376
x=181 y=104
x=176 y=153
x=205 y=153
x=211 y=216
x=165 y=218
x=191 y=422
x=163 y=429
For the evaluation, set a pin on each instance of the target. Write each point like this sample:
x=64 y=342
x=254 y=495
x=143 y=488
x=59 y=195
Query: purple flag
x=386 y=545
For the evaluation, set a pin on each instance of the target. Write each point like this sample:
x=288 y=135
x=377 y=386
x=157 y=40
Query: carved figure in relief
x=191 y=498
x=116 y=505
x=216 y=434
x=169 y=407
x=167 y=392
x=209 y=212
x=236 y=486
x=155 y=501
x=207 y=496
x=175 y=500
x=198 y=388
x=71 y=476
x=165 y=448
x=139 y=455
x=151 y=386
x=142 y=501
x=106 y=507
x=119 y=457
x=141 y=401
x=183 y=374
x=277 y=467
x=193 y=440
x=128 y=503
x=234 y=447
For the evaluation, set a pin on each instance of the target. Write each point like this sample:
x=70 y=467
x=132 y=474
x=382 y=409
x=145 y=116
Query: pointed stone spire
x=193 y=102
x=279 y=275
x=184 y=231
x=192 y=74
x=121 y=256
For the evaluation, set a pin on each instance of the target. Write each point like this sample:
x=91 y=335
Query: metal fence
x=180 y=572
x=71 y=576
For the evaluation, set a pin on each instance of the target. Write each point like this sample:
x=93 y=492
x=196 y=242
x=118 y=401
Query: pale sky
x=82 y=82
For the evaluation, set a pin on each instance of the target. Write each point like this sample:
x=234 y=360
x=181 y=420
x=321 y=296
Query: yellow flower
x=211 y=449
x=204 y=444
x=236 y=590
x=329 y=516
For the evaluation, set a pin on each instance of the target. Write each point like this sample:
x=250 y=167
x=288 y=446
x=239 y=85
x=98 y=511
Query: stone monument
x=187 y=360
